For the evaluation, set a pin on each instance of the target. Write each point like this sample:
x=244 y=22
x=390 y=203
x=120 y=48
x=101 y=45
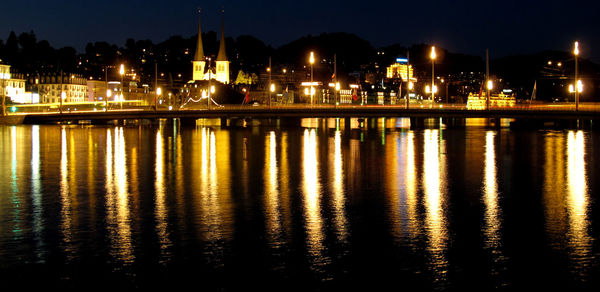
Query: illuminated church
x=221 y=73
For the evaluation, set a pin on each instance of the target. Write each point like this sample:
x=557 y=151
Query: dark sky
x=467 y=26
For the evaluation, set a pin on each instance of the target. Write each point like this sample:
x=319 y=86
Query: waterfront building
x=478 y=101
x=96 y=90
x=72 y=88
x=13 y=86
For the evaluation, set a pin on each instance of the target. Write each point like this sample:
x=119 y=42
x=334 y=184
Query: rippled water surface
x=314 y=206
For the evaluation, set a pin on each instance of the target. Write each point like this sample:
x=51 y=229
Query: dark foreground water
x=312 y=207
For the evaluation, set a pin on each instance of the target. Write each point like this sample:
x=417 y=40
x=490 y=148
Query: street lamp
x=122 y=73
x=271 y=84
x=577 y=81
x=108 y=95
x=158 y=94
x=311 y=61
x=432 y=56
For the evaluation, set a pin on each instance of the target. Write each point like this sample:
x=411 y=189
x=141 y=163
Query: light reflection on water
x=204 y=195
x=311 y=191
x=580 y=242
x=434 y=181
x=493 y=215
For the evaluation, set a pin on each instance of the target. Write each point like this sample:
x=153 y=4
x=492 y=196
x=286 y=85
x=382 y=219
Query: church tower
x=199 y=62
x=222 y=63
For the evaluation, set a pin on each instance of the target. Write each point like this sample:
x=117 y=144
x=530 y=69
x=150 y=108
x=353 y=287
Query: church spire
x=222 y=52
x=199 y=55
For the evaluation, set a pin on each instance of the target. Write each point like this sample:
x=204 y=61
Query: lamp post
x=408 y=82
x=312 y=61
x=576 y=53
x=271 y=87
x=487 y=78
x=209 y=85
x=122 y=73
x=432 y=56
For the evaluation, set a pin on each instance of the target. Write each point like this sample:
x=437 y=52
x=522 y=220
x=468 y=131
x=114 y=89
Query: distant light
x=337 y=86
x=490 y=85
x=402 y=60
x=122 y=69
x=170 y=107
x=108 y=93
x=212 y=89
x=284 y=70
x=272 y=87
x=306 y=91
x=411 y=85
x=579 y=86
x=576 y=49
x=158 y=91
x=432 y=55
x=312 y=58
x=13 y=109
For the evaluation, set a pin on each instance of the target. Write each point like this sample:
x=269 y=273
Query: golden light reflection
x=284 y=184
x=554 y=184
x=411 y=186
x=492 y=216
x=65 y=211
x=160 y=208
x=272 y=208
x=36 y=193
x=401 y=182
x=580 y=242
x=215 y=201
x=435 y=189
x=311 y=189
x=117 y=197
x=339 y=196
x=490 y=198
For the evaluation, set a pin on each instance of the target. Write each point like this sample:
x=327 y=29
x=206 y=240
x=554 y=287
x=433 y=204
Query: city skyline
x=507 y=27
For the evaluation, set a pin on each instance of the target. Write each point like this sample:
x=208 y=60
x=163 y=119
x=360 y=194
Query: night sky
x=467 y=26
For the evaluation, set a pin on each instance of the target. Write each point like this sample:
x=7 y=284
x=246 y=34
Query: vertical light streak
x=580 y=242
x=36 y=194
x=435 y=220
x=339 y=199
x=490 y=198
x=160 y=208
x=65 y=211
x=272 y=208
x=312 y=199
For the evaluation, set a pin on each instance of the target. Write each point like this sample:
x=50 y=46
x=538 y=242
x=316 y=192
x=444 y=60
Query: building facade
x=199 y=64
x=13 y=86
x=72 y=88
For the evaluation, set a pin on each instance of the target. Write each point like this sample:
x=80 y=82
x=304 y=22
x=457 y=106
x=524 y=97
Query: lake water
x=315 y=206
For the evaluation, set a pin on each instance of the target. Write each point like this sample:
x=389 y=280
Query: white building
x=72 y=88
x=14 y=88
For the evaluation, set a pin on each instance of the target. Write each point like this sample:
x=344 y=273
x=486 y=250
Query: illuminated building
x=14 y=88
x=52 y=87
x=400 y=69
x=222 y=63
x=221 y=73
x=477 y=101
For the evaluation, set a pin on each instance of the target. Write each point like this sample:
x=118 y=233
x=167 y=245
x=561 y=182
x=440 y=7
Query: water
x=310 y=207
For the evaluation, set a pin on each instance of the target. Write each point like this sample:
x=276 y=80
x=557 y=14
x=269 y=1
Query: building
x=96 y=90
x=72 y=88
x=13 y=88
x=199 y=63
x=401 y=69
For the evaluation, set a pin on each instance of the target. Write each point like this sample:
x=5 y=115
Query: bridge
x=320 y=111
